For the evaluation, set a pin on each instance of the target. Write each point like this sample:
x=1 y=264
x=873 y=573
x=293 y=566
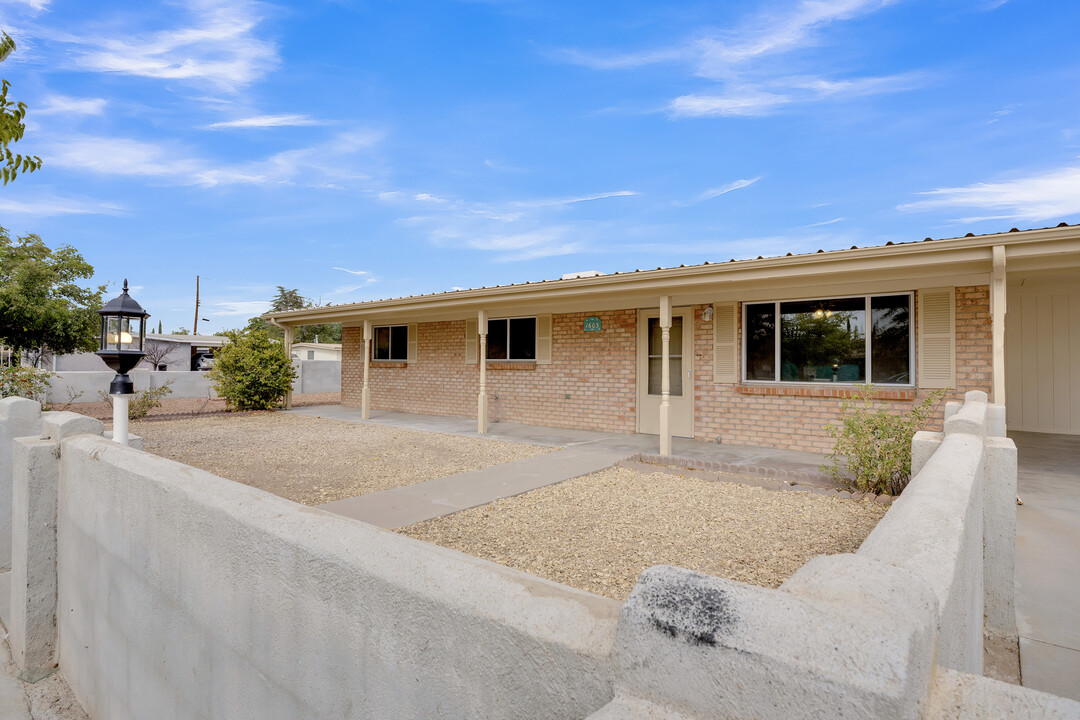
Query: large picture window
x=844 y=340
x=512 y=339
x=391 y=343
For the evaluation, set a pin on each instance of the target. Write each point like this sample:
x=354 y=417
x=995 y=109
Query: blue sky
x=362 y=150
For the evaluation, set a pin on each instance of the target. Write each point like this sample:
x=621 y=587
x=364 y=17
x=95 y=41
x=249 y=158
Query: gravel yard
x=317 y=460
x=598 y=532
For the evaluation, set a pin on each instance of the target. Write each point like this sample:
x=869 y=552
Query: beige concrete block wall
x=183 y=595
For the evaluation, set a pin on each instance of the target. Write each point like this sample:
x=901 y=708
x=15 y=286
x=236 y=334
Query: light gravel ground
x=315 y=460
x=600 y=531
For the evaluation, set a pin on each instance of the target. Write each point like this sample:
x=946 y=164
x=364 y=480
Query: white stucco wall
x=184 y=595
x=19 y=417
x=66 y=385
x=317 y=376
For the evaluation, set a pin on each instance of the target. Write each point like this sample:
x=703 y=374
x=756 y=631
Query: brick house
x=752 y=352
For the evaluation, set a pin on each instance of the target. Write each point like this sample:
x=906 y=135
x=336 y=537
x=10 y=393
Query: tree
x=12 y=126
x=157 y=353
x=292 y=300
x=40 y=302
x=251 y=372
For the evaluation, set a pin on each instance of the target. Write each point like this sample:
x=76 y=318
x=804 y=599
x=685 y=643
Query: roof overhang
x=885 y=268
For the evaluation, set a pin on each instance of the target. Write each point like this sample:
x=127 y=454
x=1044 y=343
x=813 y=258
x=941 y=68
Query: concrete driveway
x=1048 y=562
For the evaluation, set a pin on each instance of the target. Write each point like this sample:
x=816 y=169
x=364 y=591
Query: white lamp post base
x=120 y=418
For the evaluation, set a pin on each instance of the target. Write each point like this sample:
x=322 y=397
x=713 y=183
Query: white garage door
x=1042 y=356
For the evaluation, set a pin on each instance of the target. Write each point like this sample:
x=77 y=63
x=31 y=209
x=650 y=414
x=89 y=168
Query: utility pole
x=195 y=327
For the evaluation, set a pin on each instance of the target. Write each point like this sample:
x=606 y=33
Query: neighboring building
x=760 y=351
x=316 y=351
x=184 y=352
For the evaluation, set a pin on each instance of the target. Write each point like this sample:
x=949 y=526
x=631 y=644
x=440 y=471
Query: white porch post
x=287 y=340
x=481 y=400
x=997 y=325
x=365 y=394
x=665 y=375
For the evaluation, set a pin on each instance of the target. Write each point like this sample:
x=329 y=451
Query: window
x=391 y=343
x=656 y=356
x=817 y=341
x=310 y=354
x=512 y=339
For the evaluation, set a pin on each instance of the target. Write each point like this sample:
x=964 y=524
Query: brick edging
x=773 y=479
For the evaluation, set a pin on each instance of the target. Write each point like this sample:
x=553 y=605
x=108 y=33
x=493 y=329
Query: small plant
x=141 y=402
x=873 y=446
x=251 y=372
x=72 y=398
x=146 y=400
x=24 y=381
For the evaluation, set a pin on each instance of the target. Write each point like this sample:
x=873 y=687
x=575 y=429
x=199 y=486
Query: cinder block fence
x=163 y=591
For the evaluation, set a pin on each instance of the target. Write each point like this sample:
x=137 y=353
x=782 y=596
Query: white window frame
x=509 y=358
x=869 y=356
x=374 y=331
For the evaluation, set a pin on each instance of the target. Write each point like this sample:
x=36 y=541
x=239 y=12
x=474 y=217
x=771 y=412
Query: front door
x=650 y=361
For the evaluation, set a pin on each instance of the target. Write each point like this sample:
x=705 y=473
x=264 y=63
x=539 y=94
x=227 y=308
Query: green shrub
x=27 y=382
x=146 y=400
x=251 y=372
x=873 y=446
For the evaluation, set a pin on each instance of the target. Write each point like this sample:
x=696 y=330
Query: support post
x=481 y=400
x=32 y=622
x=665 y=375
x=365 y=394
x=997 y=325
x=999 y=536
x=287 y=341
x=120 y=405
x=19 y=417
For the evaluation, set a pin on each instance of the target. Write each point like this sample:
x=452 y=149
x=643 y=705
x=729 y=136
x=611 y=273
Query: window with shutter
x=937 y=346
x=725 y=343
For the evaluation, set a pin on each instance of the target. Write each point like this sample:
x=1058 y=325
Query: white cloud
x=1050 y=195
x=555 y=202
x=54 y=206
x=352 y=272
x=826 y=222
x=428 y=198
x=175 y=165
x=37 y=5
x=266 y=121
x=59 y=104
x=545 y=242
x=747 y=62
x=218 y=47
x=241 y=307
x=725 y=189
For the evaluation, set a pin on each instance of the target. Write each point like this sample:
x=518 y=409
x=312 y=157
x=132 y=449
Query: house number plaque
x=592 y=324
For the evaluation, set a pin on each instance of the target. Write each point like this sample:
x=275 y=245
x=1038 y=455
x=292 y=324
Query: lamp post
x=123 y=337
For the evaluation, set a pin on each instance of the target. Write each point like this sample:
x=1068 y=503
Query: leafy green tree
x=292 y=300
x=12 y=125
x=251 y=372
x=41 y=303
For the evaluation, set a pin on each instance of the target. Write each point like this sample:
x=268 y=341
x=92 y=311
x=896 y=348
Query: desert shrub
x=24 y=381
x=251 y=372
x=142 y=402
x=146 y=400
x=873 y=446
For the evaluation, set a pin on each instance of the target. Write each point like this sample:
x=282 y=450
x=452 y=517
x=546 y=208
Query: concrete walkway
x=1048 y=562
x=583 y=452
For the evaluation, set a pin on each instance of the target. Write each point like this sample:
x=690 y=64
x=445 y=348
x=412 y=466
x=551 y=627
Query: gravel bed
x=600 y=531
x=186 y=406
x=314 y=460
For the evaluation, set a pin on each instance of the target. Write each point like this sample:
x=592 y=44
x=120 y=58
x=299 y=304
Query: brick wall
x=739 y=415
x=590 y=383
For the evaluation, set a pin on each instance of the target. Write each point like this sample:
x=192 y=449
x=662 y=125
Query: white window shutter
x=543 y=339
x=937 y=338
x=471 y=341
x=410 y=353
x=725 y=343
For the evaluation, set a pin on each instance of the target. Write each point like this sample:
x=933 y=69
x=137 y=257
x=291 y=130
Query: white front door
x=681 y=353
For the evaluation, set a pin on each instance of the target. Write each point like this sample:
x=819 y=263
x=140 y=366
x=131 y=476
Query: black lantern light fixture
x=123 y=337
